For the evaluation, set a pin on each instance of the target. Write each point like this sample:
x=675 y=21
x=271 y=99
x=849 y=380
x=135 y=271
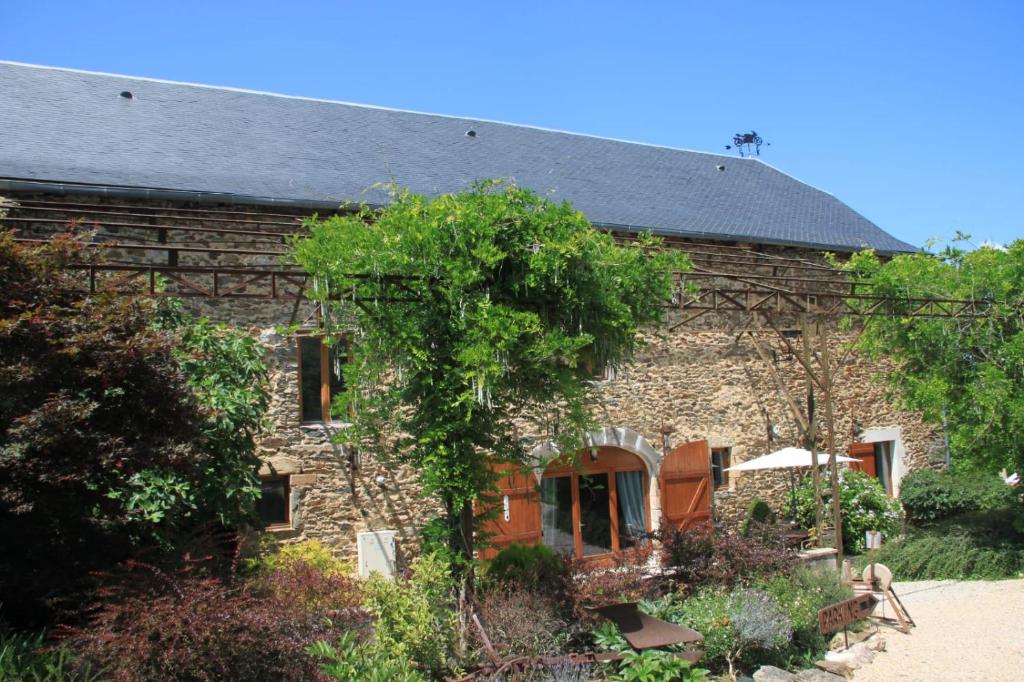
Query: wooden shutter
x=686 y=485
x=522 y=524
x=865 y=452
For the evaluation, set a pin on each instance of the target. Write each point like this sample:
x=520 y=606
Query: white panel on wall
x=377 y=552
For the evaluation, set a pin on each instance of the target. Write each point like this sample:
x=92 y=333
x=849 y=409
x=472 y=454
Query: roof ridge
x=267 y=93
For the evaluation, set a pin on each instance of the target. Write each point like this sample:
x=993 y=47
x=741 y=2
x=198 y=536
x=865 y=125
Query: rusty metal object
x=646 y=632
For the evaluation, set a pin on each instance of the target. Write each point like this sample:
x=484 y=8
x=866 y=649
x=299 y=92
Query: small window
x=720 y=461
x=320 y=376
x=274 y=505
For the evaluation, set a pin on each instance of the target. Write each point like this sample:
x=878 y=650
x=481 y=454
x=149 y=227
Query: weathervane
x=744 y=141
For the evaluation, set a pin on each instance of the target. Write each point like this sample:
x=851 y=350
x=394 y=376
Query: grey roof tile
x=73 y=127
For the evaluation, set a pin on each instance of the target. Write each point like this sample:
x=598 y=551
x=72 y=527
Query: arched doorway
x=598 y=506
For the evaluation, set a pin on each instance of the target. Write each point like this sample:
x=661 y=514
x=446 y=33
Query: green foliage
x=416 y=618
x=932 y=495
x=504 y=298
x=529 y=566
x=29 y=658
x=801 y=595
x=758 y=514
x=309 y=552
x=120 y=423
x=652 y=665
x=962 y=372
x=352 y=660
x=649 y=664
x=975 y=546
x=740 y=627
x=865 y=506
x=776 y=623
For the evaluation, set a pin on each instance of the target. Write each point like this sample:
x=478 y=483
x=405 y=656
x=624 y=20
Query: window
x=883 y=464
x=320 y=377
x=597 y=509
x=275 y=505
x=720 y=461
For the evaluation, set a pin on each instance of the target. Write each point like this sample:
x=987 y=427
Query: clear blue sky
x=911 y=112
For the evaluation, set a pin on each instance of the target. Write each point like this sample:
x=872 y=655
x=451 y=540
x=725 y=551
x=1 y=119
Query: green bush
x=759 y=514
x=932 y=495
x=353 y=660
x=980 y=546
x=865 y=506
x=28 y=658
x=534 y=567
x=312 y=553
x=801 y=594
x=741 y=628
x=416 y=618
x=652 y=665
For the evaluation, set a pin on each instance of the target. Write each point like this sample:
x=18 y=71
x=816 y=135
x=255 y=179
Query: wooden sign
x=838 y=616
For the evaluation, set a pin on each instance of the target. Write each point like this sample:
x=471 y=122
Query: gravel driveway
x=965 y=631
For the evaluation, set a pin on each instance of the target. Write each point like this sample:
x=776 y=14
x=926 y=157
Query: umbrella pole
x=792 y=494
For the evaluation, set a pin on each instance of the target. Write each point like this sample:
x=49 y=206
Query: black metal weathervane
x=744 y=141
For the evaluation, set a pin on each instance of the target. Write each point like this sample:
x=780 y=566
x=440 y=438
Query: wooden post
x=830 y=425
x=812 y=432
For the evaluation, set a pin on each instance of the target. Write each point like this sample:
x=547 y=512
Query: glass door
x=595 y=514
x=556 y=514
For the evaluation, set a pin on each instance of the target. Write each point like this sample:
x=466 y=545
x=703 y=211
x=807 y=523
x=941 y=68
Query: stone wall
x=712 y=385
x=701 y=382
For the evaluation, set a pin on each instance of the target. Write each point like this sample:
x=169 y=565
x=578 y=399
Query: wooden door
x=518 y=512
x=686 y=485
x=865 y=452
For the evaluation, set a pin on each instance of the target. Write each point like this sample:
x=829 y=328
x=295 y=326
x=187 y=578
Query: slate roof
x=70 y=126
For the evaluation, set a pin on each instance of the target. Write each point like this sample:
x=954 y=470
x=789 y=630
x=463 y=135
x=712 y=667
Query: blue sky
x=910 y=112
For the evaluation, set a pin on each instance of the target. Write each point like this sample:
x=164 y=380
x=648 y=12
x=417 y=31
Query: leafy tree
x=122 y=423
x=471 y=311
x=964 y=372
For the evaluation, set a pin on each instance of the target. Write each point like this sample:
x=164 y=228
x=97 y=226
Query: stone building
x=195 y=188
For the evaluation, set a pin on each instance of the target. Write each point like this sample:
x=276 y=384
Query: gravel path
x=965 y=631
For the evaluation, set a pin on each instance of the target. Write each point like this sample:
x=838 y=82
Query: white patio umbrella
x=788 y=458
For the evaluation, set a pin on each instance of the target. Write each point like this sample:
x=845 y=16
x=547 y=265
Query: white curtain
x=632 y=509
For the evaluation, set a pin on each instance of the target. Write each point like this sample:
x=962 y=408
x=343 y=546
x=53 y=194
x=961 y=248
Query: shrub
x=317 y=591
x=532 y=566
x=932 y=495
x=801 y=594
x=759 y=514
x=28 y=658
x=312 y=553
x=524 y=622
x=759 y=623
x=123 y=423
x=652 y=665
x=416 y=618
x=865 y=506
x=354 y=660
x=187 y=625
x=738 y=626
x=627 y=580
x=979 y=546
x=703 y=556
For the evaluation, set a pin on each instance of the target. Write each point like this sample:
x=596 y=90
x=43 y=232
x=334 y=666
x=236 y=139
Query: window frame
x=325 y=375
x=725 y=461
x=286 y=480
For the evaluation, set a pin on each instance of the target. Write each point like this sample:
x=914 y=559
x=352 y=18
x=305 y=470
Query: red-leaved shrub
x=629 y=578
x=703 y=555
x=151 y=624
